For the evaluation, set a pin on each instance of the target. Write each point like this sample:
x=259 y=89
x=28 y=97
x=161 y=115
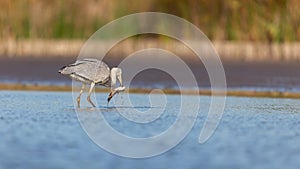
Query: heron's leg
x=89 y=94
x=81 y=91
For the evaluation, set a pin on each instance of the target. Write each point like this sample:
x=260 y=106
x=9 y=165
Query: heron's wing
x=79 y=65
x=92 y=70
x=103 y=73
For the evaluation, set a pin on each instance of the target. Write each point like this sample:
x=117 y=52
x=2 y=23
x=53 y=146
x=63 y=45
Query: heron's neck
x=113 y=78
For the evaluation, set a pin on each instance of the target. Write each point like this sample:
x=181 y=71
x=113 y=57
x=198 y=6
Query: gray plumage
x=88 y=71
x=94 y=72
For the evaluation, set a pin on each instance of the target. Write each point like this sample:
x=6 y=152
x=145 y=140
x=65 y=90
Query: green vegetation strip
x=240 y=93
x=258 y=20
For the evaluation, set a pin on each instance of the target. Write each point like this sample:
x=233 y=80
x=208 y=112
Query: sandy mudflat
x=205 y=92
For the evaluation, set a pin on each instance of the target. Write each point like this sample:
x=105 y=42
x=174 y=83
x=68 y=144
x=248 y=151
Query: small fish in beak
x=117 y=90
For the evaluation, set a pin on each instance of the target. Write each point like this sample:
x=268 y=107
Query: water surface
x=41 y=130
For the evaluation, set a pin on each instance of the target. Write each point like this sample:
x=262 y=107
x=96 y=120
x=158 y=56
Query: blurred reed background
x=257 y=20
x=258 y=38
x=238 y=28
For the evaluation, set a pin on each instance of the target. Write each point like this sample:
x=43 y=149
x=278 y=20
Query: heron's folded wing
x=92 y=69
x=103 y=72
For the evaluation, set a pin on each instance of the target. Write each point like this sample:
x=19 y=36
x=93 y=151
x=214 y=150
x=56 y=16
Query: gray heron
x=94 y=72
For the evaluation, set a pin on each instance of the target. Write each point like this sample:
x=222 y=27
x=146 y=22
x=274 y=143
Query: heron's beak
x=111 y=94
x=115 y=91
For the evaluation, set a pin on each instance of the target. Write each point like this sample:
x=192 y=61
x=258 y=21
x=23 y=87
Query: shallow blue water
x=41 y=130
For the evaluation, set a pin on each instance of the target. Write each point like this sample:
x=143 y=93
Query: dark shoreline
x=279 y=76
